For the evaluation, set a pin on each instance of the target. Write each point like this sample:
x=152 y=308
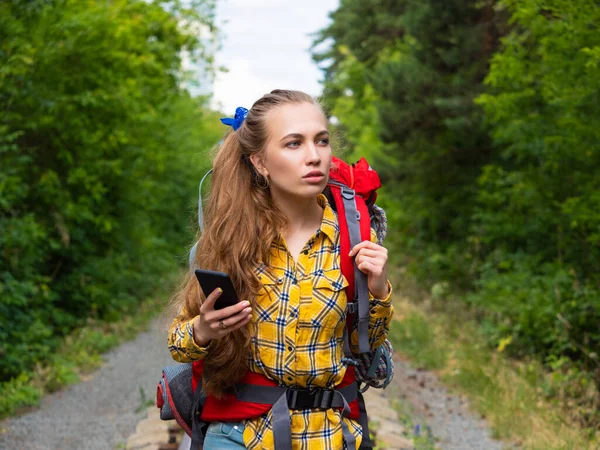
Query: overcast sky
x=265 y=47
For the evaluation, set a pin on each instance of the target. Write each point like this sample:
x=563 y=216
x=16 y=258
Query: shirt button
x=289 y=378
x=280 y=280
x=290 y=348
x=305 y=252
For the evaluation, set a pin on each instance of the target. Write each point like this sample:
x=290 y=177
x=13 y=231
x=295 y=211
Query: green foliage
x=542 y=306
x=80 y=352
x=18 y=393
x=357 y=111
x=101 y=150
x=536 y=227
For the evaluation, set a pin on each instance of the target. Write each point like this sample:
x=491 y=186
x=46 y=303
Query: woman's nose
x=313 y=154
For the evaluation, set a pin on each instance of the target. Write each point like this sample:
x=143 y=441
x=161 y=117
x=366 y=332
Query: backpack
x=351 y=192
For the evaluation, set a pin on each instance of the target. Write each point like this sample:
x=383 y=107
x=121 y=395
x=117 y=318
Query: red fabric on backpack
x=358 y=176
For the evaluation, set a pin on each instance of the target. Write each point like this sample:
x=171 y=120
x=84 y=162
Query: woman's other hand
x=371 y=259
x=214 y=324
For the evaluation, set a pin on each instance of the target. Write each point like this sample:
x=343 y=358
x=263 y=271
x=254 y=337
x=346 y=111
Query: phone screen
x=210 y=280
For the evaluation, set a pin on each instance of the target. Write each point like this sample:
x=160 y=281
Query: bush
x=101 y=150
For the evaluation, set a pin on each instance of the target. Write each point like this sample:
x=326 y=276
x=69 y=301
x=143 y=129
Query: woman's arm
x=181 y=341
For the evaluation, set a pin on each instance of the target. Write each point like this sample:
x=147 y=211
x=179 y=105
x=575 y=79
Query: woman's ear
x=258 y=164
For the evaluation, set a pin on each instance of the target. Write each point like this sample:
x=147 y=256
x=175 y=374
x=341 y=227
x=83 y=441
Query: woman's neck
x=301 y=213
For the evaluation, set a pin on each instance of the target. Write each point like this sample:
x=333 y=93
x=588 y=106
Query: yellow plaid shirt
x=297 y=337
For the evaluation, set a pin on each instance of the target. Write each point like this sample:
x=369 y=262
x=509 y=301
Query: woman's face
x=297 y=156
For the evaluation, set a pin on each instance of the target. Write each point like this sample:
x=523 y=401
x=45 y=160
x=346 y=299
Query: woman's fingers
x=358 y=246
x=371 y=253
x=234 y=322
x=208 y=307
x=366 y=245
x=215 y=315
x=368 y=266
x=222 y=323
x=231 y=310
x=371 y=256
x=218 y=323
x=219 y=328
x=209 y=303
x=229 y=328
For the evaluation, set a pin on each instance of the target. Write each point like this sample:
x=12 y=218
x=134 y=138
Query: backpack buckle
x=324 y=398
x=351 y=307
x=292 y=397
x=347 y=193
x=302 y=398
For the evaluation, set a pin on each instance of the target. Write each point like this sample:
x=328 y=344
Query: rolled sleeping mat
x=174 y=395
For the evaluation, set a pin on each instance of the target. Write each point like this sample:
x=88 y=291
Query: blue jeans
x=224 y=436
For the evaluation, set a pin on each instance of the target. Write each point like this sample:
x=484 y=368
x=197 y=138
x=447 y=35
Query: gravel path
x=447 y=415
x=99 y=413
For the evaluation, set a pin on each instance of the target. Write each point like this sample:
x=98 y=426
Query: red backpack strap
x=355 y=227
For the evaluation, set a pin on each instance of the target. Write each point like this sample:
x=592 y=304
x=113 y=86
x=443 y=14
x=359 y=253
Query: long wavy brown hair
x=240 y=223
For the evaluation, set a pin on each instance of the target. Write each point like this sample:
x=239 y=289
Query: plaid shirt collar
x=329 y=224
x=329 y=227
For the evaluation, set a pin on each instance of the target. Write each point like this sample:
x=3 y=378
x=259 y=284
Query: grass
x=509 y=394
x=421 y=436
x=79 y=354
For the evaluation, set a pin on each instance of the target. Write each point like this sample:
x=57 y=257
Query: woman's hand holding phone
x=214 y=324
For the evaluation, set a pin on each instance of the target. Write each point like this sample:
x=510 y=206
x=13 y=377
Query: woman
x=268 y=225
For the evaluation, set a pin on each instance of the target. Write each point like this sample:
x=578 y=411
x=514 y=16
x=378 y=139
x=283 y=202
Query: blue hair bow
x=238 y=119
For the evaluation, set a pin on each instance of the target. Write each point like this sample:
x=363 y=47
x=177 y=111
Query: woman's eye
x=298 y=143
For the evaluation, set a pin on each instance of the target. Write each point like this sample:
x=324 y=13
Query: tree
x=96 y=140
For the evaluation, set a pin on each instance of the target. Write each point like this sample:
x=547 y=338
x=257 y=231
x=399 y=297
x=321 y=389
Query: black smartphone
x=210 y=280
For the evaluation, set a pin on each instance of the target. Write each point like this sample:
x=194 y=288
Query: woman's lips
x=314 y=178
